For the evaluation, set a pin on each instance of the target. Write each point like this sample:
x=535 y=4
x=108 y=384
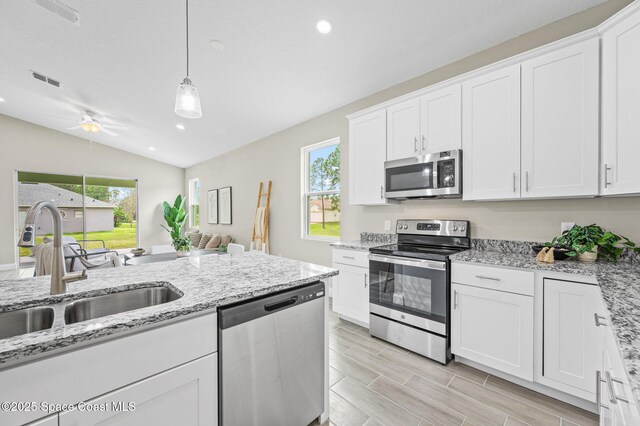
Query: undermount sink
x=23 y=321
x=115 y=303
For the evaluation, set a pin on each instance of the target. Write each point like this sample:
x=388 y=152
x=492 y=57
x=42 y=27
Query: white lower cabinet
x=572 y=347
x=185 y=395
x=493 y=328
x=351 y=286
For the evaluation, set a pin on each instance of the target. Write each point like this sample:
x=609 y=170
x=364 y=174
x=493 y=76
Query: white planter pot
x=589 y=256
x=183 y=253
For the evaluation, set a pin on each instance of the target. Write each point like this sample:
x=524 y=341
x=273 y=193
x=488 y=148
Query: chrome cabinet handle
x=526 y=174
x=381 y=192
x=514 y=181
x=598 y=318
x=598 y=395
x=455 y=299
x=366 y=277
x=606 y=176
x=349 y=257
x=423 y=143
x=415 y=144
x=482 y=277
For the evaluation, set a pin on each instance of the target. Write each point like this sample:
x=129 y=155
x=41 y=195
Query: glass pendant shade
x=188 y=100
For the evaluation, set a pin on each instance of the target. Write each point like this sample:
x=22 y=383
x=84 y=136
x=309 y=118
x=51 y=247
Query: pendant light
x=187 y=97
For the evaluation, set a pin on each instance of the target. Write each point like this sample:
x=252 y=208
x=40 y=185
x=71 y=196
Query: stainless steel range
x=410 y=285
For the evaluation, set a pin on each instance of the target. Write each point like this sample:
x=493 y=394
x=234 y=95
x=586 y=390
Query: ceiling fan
x=91 y=125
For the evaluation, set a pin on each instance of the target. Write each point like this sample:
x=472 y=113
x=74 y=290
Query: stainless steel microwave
x=437 y=175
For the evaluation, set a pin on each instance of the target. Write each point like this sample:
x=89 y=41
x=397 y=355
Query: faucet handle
x=75 y=276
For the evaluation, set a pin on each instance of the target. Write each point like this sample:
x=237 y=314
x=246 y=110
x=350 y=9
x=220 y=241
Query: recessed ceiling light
x=151 y=148
x=323 y=26
x=217 y=45
x=180 y=126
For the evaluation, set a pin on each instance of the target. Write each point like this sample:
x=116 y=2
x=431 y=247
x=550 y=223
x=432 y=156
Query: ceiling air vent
x=61 y=10
x=44 y=78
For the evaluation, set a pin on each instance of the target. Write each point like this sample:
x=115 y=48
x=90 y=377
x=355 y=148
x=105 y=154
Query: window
x=194 y=203
x=321 y=191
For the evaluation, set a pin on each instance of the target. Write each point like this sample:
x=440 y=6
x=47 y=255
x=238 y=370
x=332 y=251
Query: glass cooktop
x=416 y=251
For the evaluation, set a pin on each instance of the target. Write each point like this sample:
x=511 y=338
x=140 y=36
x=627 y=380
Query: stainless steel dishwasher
x=271 y=359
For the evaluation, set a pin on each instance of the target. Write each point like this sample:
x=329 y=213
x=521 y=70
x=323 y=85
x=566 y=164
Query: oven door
x=411 y=291
x=410 y=177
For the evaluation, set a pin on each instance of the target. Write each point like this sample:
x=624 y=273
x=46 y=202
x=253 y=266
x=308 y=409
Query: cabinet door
x=186 y=395
x=572 y=343
x=403 y=130
x=351 y=293
x=620 y=107
x=367 y=154
x=491 y=135
x=493 y=328
x=560 y=115
x=441 y=120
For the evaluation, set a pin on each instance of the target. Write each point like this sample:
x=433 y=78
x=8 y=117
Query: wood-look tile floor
x=376 y=383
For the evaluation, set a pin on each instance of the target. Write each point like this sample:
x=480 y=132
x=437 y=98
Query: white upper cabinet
x=560 y=104
x=621 y=107
x=441 y=120
x=367 y=154
x=491 y=135
x=403 y=130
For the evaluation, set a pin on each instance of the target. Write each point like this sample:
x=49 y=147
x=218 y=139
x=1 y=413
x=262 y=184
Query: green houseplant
x=175 y=215
x=586 y=242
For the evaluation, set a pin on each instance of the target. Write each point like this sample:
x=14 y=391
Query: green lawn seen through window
x=123 y=236
x=331 y=229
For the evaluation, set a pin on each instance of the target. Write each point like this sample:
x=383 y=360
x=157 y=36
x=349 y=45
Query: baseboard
x=545 y=390
x=8 y=267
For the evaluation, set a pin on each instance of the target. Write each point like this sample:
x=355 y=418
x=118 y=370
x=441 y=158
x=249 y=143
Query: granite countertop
x=205 y=282
x=367 y=240
x=619 y=284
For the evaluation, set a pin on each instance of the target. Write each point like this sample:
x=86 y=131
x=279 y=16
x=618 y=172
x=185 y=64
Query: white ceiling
x=126 y=59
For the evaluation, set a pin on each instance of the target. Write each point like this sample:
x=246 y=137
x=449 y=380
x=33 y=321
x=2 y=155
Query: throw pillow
x=195 y=238
x=225 y=239
x=204 y=240
x=214 y=242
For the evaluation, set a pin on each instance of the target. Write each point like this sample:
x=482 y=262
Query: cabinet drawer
x=518 y=282
x=351 y=257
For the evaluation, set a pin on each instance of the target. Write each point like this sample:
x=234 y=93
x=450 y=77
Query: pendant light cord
x=187 y=8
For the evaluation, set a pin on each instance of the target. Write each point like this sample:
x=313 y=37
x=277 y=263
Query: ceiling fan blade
x=109 y=132
x=73 y=128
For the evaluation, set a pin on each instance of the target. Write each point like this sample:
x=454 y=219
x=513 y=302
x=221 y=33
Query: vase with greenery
x=587 y=242
x=176 y=216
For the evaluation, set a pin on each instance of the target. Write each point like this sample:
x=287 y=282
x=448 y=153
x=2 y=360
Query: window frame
x=304 y=158
x=193 y=201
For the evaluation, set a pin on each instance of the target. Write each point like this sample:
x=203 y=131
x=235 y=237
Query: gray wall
x=277 y=157
x=32 y=148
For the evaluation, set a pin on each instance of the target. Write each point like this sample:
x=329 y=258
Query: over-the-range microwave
x=437 y=175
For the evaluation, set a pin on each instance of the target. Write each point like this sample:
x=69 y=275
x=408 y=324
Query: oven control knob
x=402 y=316
x=405 y=226
x=455 y=228
x=463 y=228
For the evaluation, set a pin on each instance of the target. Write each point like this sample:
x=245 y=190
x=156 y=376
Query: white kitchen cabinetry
x=571 y=336
x=489 y=325
x=367 y=154
x=560 y=115
x=441 y=120
x=351 y=286
x=491 y=135
x=186 y=395
x=403 y=130
x=620 y=106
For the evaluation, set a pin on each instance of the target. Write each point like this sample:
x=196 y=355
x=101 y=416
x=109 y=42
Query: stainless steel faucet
x=59 y=277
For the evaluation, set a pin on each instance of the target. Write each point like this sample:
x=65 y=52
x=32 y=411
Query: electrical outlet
x=565 y=226
x=387 y=225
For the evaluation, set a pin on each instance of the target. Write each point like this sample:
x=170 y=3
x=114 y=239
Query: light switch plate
x=565 y=226
x=387 y=225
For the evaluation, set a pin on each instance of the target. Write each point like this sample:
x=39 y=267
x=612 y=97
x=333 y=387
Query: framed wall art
x=212 y=206
x=224 y=199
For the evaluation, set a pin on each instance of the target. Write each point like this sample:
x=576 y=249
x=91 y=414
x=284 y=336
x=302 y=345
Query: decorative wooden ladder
x=260 y=240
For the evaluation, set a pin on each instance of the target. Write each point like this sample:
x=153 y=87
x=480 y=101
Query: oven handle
x=426 y=264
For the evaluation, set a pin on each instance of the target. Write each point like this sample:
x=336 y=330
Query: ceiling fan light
x=90 y=126
x=188 y=100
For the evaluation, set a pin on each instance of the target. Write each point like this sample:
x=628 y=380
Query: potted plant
x=176 y=216
x=586 y=242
